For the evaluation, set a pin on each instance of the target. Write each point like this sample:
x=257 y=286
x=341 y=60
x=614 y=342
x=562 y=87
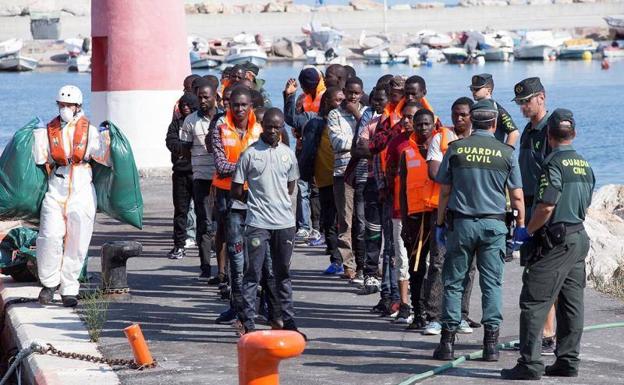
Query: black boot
x=46 y=295
x=446 y=349
x=69 y=300
x=490 y=344
x=561 y=369
x=519 y=372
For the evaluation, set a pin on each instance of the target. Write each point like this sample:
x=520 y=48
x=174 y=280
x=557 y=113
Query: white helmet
x=69 y=94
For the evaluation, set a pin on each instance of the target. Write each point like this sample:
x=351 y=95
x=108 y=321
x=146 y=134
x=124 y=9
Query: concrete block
x=365 y=5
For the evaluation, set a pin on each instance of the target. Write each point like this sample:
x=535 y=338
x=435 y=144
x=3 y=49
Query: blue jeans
x=233 y=222
x=389 y=280
x=303 y=205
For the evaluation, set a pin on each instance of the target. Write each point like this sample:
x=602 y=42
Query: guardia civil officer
x=474 y=174
x=556 y=269
x=534 y=148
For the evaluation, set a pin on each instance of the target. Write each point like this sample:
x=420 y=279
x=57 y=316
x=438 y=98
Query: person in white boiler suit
x=65 y=147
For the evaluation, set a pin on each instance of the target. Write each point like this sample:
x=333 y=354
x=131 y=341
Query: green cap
x=561 y=115
x=527 y=88
x=480 y=81
x=484 y=111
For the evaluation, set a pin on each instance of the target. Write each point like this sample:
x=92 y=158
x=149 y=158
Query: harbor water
x=594 y=95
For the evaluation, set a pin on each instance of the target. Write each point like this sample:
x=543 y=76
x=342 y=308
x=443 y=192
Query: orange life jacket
x=444 y=140
x=80 y=141
x=314 y=105
x=234 y=145
x=422 y=193
x=394 y=112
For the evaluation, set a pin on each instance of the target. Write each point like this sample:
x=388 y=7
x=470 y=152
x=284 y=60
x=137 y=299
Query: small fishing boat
x=10 y=47
x=539 y=45
x=204 y=63
x=18 y=63
x=457 y=55
x=79 y=63
x=250 y=52
x=432 y=39
x=613 y=51
x=497 y=46
x=577 y=49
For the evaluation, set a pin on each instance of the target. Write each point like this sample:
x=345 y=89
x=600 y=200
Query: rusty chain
x=99 y=360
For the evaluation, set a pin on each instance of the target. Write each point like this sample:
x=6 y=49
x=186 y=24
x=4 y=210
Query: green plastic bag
x=17 y=254
x=23 y=184
x=118 y=188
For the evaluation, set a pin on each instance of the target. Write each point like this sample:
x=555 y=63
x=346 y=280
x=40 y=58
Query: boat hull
x=498 y=54
x=236 y=59
x=575 y=53
x=534 y=52
x=204 y=63
x=18 y=64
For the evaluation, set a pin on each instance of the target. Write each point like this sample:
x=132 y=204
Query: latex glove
x=520 y=236
x=440 y=235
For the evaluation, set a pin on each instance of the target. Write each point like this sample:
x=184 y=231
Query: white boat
x=577 y=48
x=432 y=39
x=204 y=63
x=367 y=42
x=616 y=23
x=497 y=46
x=18 y=63
x=319 y=57
x=10 y=47
x=80 y=63
x=241 y=53
x=613 y=51
x=537 y=45
x=73 y=46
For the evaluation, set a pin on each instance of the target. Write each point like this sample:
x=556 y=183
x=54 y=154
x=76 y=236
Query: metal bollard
x=259 y=355
x=114 y=257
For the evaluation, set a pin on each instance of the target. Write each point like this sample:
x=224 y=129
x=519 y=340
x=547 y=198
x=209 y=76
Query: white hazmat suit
x=68 y=209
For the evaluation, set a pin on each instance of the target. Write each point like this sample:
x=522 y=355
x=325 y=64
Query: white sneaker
x=189 y=243
x=464 y=327
x=302 y=236
x=314 y=235
x=433 y=328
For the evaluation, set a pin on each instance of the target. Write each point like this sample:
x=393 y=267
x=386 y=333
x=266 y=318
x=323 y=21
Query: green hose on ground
x=478 y=354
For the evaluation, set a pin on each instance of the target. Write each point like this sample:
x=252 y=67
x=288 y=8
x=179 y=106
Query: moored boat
x=18 y=63
x=80 y=63
x=577 y=49
x=10 y=47
x=250 y=52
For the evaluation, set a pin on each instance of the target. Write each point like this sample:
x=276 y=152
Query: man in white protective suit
x=65 y=147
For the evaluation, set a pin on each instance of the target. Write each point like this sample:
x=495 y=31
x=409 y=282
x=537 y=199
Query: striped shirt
x=341 y=125
x=195 y=128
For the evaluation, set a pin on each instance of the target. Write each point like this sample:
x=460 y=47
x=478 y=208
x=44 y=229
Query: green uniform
x=533 y=150
x=504 y=124
x=559 y=274
x=479 y=169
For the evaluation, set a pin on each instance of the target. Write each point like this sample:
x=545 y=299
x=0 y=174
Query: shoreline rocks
x=605 y=226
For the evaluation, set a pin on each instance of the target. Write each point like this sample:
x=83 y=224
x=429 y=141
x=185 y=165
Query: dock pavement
x=347 y=344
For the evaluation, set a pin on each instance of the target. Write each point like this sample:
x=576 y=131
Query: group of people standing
x=406 y=206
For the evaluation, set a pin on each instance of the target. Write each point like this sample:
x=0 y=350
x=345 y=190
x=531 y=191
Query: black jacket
x=180 y=151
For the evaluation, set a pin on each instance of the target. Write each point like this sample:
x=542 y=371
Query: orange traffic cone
x=142 y=355
x=259 y=355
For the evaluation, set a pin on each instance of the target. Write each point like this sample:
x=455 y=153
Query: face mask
x=66 y=114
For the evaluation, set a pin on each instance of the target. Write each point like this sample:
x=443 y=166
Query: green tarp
x=23 y=184
x=118 y=189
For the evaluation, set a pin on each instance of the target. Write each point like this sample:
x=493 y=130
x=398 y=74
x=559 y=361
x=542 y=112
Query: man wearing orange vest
x=66 y=146
x=234 y=132
x=313 y=88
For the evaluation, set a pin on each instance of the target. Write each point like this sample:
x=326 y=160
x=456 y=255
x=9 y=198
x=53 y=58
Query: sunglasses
x=524 y=101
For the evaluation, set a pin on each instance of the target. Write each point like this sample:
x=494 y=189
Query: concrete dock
x=348 y=344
